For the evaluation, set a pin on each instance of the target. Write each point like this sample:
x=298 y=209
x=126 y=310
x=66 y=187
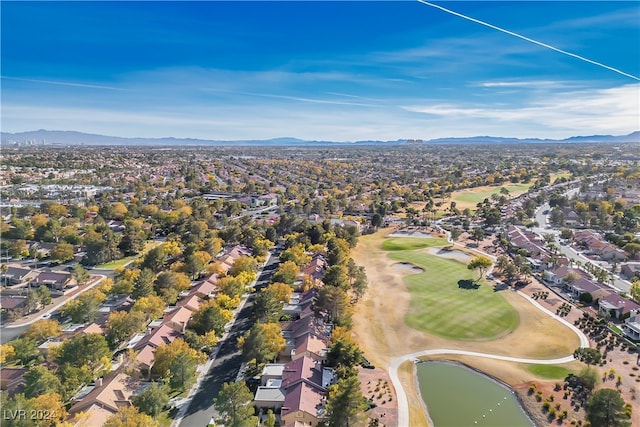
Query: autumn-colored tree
x=51 y=403
x=482 y=264
x=151 y=306
x=168 y=352
x=296 y=254
x=129 y=416
x=43 y=329
x=231 y=286
x=281 y=291
x=287 y=272
x=7 y=353
x=244 y=264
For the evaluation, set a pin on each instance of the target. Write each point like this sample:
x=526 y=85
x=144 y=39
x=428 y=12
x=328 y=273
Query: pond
x=458 y=396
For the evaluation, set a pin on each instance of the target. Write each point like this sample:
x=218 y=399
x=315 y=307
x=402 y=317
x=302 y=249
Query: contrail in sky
x=511 y=33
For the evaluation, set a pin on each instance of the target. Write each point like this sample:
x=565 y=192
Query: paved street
x=570 y=253
x=227 y=363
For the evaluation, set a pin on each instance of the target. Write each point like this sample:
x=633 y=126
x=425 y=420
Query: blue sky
x=323 y=70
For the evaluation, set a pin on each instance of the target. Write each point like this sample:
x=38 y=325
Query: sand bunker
x=410 y=233
x=452 y=254
x=407 y=267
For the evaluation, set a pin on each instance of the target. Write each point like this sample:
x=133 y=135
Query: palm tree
x=4 y=268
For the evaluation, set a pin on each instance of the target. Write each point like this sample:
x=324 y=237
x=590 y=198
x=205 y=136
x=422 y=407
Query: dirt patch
x=376 y=386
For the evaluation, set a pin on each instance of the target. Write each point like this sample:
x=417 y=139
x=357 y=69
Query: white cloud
x=560 y=114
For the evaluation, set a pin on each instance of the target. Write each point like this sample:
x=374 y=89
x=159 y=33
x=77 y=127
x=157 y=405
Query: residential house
x=618 y=307
x=311 y=346
x=12 y=305
x=12 y=380
x=631 y=327
x=177 y=318
x=584 y=286
x=16 y=276
x=146 y=346
x=54 y=280
x=109 y=394
x=630 y=270
x=191 y=302
x=304 y=403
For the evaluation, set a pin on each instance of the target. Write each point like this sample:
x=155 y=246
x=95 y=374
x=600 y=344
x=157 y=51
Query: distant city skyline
x=340 y=71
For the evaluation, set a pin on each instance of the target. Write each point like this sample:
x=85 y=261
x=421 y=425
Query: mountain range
x=55 y=137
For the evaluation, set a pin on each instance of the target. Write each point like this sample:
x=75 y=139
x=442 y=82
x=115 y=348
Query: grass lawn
x=551 y=372
x=411 y=243
x=117 y=263
x=121 y=262
x=440 y=307
x=477 y=195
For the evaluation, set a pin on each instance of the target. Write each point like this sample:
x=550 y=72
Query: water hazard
x=457 y=396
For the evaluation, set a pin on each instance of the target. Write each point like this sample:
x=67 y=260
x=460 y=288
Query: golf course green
x=444 y=299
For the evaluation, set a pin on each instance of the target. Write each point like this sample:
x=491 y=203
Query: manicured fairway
x=440 y=307
x=477 y=195
x=411 y=243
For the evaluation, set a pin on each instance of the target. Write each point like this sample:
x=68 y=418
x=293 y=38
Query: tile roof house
x=177 y=318
x=17 y=276
x=55 y=280
x=618 y=306
x=630 y=270
x=12 y=380
x=146 y=347
x=192 y=302
x=583 y=286
x=110 y=393
x=304 y=403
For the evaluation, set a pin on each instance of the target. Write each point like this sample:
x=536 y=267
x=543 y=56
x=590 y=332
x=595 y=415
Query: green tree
x=481 y=264
x=79 y=273
x=151 y=400
x=62 y=252
x=210 y=317
x=17 y=404
x=267 y=307
x=632 y=249
x=235 y=404
x=346 y=404
x=262 y=342
x=605 y=408
x=43 y=294
x=25 y=350
x=85 y=307
x=589 y=377
x=344 y=354
x=335 y=303
x=590 y=356
x=336 y=275
x=635 y=290
x=143 y=284
x=121 y=325
x=39 y=380
x=91 y=350
x=477 y=234
x=271 y=419
x=155 y=259
x=183 y=371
